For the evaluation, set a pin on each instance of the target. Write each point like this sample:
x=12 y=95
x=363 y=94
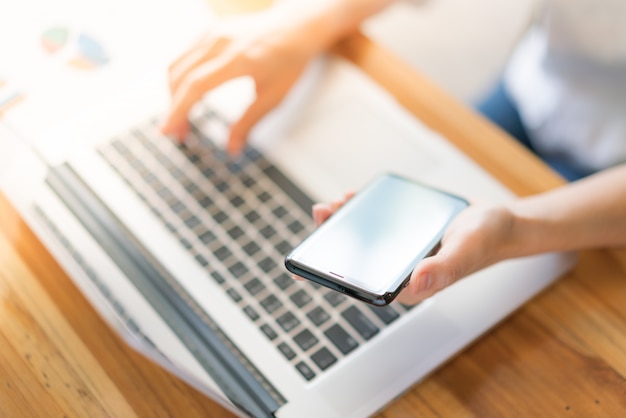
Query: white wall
x=460 y=44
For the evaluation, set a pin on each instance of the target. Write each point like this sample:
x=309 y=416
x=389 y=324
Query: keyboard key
x=318 y=316
x=269 y=332
x=235 y=232
x=192 y=221
x=283 y=281
x=251 y=248
x=186 y=243
x=360 y=322
x=234 y=167
x=165 y=194
x=385 y=313
x=279 y=211
x=267 y=264
x=208 y=172
x=193 y=158
x=252 y=314
x=178 y=174
x=408 y=307
x=305 y=370
x=295 y=227
x=200 y=259
x=286 y=350
x=342 y=340
x=264 y=196
x=254 y=286
x=252 y=154
x=238 y=269
x=268 y=231
x=191 y=187
x=301 y=298
x=120 y=147
x=222 y=186
x=323 y=358
x=252 y=216
x=218 y=277
x=220 y=217
x=236 y=201
x=305 y=339
x=222 y=253
x=334 y=298
x=283 y=247
x=271 y=304
x=177 y=206
x=206 y=237
x=248 y=181
x=234 y=295
x=156 y=212
x=204 y=200
x=288 y=321
x=170 y=227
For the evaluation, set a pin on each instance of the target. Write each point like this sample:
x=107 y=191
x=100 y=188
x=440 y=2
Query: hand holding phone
x=369 y=247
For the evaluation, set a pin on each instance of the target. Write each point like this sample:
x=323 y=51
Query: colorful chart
x=54 y=39
x=84 y=51
x=91 y=53
x=9 y=96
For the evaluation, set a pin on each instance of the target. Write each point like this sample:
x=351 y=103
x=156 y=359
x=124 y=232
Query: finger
x=321 y=212
x=193 y=87
x=192 y=59
x=337 y=204
x=430 y=276
x=201 y=43
x=181 y=132
x=240 y=130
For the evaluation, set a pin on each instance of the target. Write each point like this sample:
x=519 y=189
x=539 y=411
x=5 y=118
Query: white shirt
x=568 y=79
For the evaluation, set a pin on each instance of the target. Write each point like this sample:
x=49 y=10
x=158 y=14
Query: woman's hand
x=261 y=46
x=478 y=237
x=272 y=47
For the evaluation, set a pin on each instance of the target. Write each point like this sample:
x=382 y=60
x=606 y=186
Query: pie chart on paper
x=54 y=39
x=84 y=51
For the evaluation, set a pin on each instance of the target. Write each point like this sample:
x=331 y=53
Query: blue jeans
x=498 y=107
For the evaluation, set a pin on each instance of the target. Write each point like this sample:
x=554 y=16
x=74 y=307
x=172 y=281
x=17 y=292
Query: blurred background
x=460 y=44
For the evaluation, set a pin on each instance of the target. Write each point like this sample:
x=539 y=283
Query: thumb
x=430 y=276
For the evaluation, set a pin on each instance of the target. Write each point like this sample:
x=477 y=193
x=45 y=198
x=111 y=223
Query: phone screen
x=375 y=240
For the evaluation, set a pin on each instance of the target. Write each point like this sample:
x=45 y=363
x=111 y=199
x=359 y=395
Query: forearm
x=321 y=23
x=590 y=213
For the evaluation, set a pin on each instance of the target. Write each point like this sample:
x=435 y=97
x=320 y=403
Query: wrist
x=530 y=233
x=316 y=25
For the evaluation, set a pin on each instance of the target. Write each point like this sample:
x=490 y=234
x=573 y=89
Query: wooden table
x=562 y=354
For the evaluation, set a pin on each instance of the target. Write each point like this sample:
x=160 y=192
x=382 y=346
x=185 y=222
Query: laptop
x=181 y=248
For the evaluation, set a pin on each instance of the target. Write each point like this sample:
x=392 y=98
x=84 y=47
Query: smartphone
x=368 y=248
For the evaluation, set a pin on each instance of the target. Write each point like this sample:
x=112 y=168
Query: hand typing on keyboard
x=272 y=47
x=250 y=45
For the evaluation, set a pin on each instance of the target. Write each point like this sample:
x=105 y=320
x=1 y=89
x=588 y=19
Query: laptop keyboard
x=238 y=219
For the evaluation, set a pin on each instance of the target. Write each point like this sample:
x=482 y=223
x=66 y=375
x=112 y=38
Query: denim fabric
x=498 y=107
